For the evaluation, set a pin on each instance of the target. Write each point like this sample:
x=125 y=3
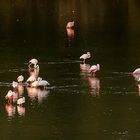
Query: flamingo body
x=94 y=68
x=40 y=83
x=85 y=56
x=33 y=64
x=136 y=71
x=70 y=25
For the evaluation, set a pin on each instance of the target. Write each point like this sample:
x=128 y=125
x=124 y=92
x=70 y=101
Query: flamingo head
x=20 y=78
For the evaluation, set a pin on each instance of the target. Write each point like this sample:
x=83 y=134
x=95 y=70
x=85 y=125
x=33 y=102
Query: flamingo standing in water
x=30 y=80
x=136 y=74
x=40 y=83
x=20 y=87
x=85 y=56
x=136 y=71
x=93 y=69
x=33 y=64
x=11 y=97
x=20 y=79
x=70 y=29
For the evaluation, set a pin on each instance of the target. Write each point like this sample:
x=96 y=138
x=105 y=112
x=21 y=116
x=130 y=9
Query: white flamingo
x=14 y=84
x=20 y=79
x=30 y=80
x=136 y=71
x=70 y=29
x=94 y=68
x=136 y=74
x=40 y=83
x=85 y=56
x=21 y=101
x=70 y=25
x=33 y=64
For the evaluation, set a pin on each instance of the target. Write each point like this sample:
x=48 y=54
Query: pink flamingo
x=94 y=68
x=70 y=29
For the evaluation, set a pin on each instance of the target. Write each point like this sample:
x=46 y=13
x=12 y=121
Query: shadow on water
x=76 y=106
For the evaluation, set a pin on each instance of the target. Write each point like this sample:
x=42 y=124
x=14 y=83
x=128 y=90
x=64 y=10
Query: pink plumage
x=94 y=68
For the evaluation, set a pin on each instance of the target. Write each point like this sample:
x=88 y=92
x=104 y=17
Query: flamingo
x=40 y=83
x=85 y=56
x=136 y=74
x=70 y=29
x=30 y=80
x=11 y=96
x=70 y=25
x=94 y=68
x=20 y=79
x=33 y=64
x=21 y=101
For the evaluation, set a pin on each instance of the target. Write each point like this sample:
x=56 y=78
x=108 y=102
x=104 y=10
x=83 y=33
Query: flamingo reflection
x=11 y=110
x=21 y=110
x=84 y=68
x=36 y=94
x=94 y=84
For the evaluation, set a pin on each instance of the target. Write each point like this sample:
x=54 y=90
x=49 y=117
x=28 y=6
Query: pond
x=75 y=106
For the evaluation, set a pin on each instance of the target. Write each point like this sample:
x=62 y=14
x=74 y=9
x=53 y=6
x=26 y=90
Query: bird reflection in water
x=94 y=84
x=37 y=94
x=11 y=111
x=21 y=110
x=84 y=68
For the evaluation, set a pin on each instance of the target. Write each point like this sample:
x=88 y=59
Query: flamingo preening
x=136 y=71
x=136 y=74
x=85 y=56
x=11 y=97
x=93 y=69
x=33 y=64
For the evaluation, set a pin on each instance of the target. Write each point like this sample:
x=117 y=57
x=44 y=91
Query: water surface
x=76 y=106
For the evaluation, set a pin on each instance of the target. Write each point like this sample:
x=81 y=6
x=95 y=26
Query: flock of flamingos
x=34 y=82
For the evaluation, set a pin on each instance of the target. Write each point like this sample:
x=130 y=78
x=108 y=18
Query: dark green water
x=77 y=107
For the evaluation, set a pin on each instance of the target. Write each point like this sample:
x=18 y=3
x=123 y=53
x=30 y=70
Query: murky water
x=75 y=106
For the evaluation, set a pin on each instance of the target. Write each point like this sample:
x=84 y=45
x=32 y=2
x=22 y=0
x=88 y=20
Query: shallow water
x=75 y=106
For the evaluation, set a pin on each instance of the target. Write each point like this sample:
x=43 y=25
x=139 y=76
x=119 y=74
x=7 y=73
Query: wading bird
x=93 y=69
x=20 y=79
x=85 y=56
x=33 y=64
x=40 y=83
